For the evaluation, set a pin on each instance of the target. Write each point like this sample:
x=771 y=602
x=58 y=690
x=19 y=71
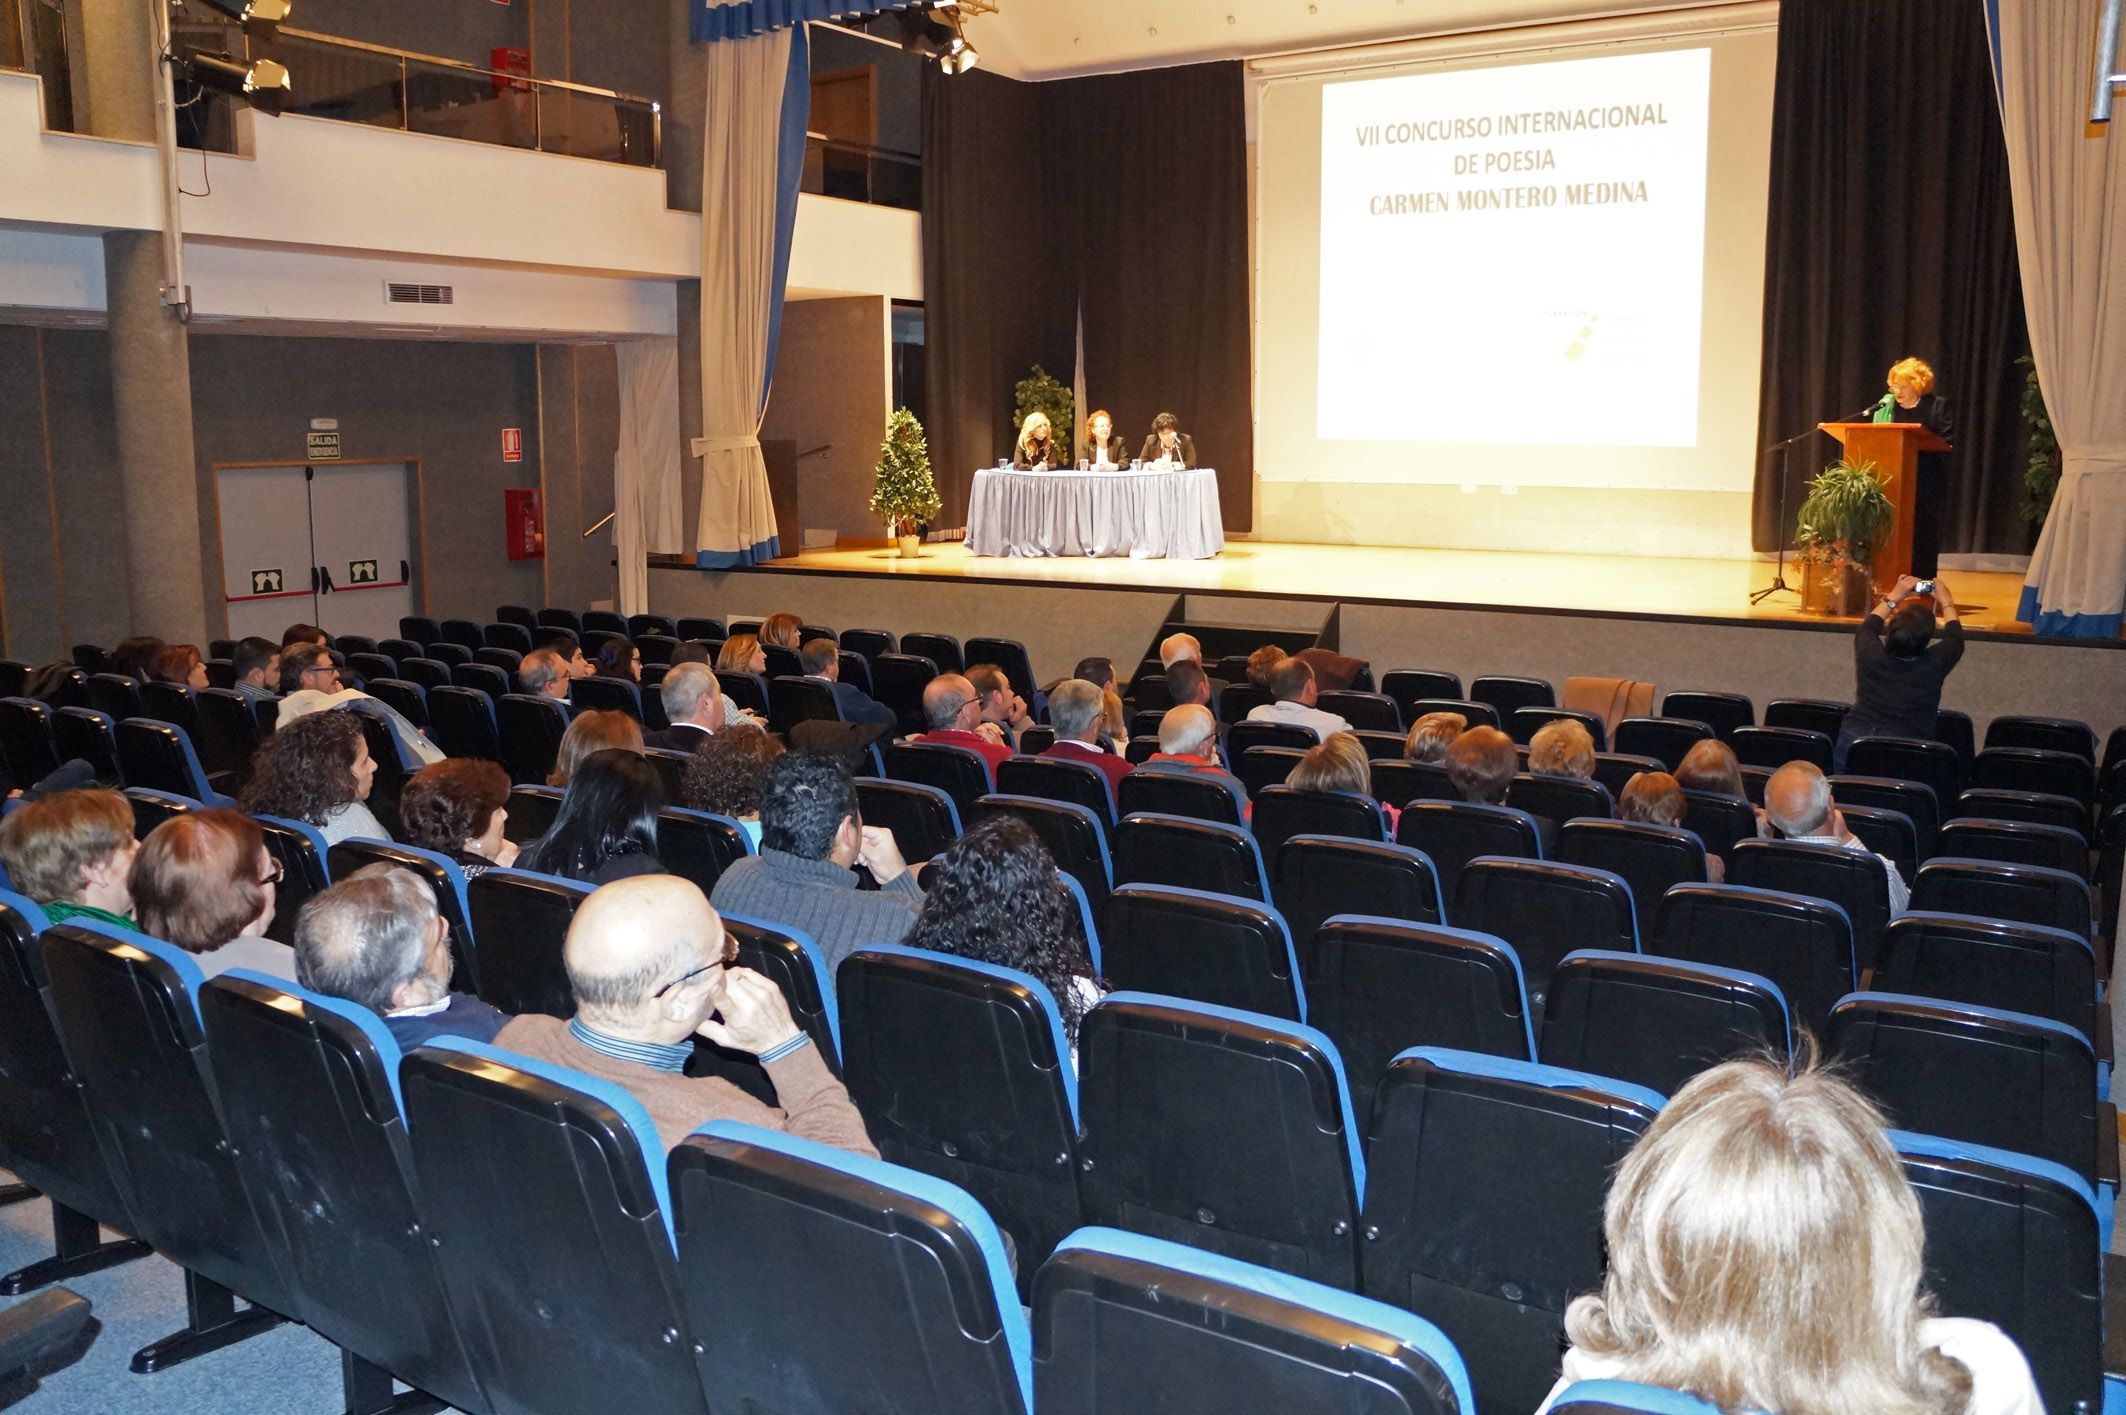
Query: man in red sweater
x=954 y=711
x=1074 y=712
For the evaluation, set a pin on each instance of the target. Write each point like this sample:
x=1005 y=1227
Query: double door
x=329 y=544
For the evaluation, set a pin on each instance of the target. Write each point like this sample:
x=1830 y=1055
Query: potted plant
x=904 y=493
x=1844 y=519
x=1039 y=392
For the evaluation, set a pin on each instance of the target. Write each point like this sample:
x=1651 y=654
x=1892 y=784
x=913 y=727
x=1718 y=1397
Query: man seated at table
x=1168 y=444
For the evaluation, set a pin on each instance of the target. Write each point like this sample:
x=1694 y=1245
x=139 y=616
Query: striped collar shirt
x=663 y=1058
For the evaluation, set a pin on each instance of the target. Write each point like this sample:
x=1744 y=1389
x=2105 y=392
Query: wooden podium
x=1894 y=450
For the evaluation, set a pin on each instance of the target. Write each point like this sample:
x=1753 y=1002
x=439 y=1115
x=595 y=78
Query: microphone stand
x=1784 y=448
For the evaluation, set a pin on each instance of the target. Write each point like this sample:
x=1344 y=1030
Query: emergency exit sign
x=323 y=446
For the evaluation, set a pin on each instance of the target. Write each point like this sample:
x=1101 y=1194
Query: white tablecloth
x=1144 y=515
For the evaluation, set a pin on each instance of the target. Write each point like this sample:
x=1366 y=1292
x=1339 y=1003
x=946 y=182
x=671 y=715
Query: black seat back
x=299 y=849
x=1053 y=779
x=1555 y=800
x=2066 y=774
x=1210 y=1336
x=1804 y=945
x=1210 y=948
x=1932 y=764
x=115 y=695
x=1011 y=656
x=962 y=1071
x=2036 y=807
x=1657 y=1022
x=529 y=729
x=922 y=818
x=1668 y=738
x=159 y=756
x=1615 y=770
x=608 y=695
x=898 y=680
x=1809 y=714
x=956 y=771
x=1220 y=1130
x=868 y=642
x=1073 y=835
x=532 y=810
x=1717 y=820
x=544 y=1190
x=1776 y=746
x=289 y=1064
x=1243 y=735
x=748 y=690
x=1238 y=700
x=462 y=721
x=1452 y=833
x=1187 y=853
x=2045 y=734
x=1460 y=1224
x=1159 y=789
x=1260 y=767
x=792 y=700
x=1545 y=911
x=1409 y=685
x=89 y=735
x=1506 y=695
x=2027 y=894
x=127 y=1013
x=26 y=741
x=1991 y=963
x=1889 y=834
x=1398 y=782
x=430 y=674
x=1382 y=986
x=1725 y=713
x=1367 y=712
x=2016 y=843
x=1916 y=800
x=1319 y=876
x=1853 y=880
x=524 y=917
x=1282 y=812
x=1649 y=858
x=943 y=650
x=228 y=730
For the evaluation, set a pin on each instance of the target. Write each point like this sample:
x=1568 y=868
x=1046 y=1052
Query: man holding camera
x=1900 y=662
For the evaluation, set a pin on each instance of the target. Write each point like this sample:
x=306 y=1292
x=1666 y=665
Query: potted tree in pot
x=1843 y=521
x=904 y=493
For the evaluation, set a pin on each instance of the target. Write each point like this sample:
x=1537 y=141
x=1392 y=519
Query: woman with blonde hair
x=592 y=732
x=1339 y=763
x=1036 y=450
x=782 y=631
x=1432 y=734
x=742 y=653
x=1102 y=448
x=1764 y=1254
x=1562 y=747
x=1912 y=399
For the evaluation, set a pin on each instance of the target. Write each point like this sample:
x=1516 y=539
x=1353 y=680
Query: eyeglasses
x=280 y=872
x=730 y=956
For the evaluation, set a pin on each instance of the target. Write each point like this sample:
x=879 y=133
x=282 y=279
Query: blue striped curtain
x=735 y=19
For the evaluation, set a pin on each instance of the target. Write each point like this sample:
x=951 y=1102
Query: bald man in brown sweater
x=651 y=966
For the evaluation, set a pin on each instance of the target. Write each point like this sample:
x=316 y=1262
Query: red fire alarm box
x=524 y=515
x=507 y=59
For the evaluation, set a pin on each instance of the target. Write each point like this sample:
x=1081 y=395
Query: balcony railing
x=354 y=82
x=33 y=39
x=855 y=172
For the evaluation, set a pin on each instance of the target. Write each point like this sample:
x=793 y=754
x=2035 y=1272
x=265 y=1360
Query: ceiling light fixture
x=261 y=19
x=262 y=83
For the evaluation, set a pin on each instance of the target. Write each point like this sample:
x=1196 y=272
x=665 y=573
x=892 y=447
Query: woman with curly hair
x=606 y=828
x=994 y=896
x=205 y=882
x=1764 y=1254
x=590 y=732
x=457 y=808
x=317 y=769
x=726 y=773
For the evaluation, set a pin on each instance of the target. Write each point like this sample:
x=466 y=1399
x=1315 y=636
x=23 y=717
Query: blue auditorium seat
x=1545 y=911
x=1803 y=945
x=1212 y=948
x=923 y=819
x=1452 y=833
x=1627 y=1398
x=524 y=916
x=1187 y=852
x=1657 y=1022
x=1074 y=836
x=1161 y=788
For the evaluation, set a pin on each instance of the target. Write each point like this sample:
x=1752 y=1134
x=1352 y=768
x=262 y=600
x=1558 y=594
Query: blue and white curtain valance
x=739 y=19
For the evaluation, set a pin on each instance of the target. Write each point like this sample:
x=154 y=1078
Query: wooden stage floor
x=1600 y=584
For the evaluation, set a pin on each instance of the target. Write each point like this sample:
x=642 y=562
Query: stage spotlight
x=262 y=83
x=934 y=31
x=261 y=19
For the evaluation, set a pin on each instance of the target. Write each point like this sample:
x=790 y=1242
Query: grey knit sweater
x=820 y=898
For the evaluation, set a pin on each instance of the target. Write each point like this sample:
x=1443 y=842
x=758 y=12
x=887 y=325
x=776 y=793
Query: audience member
x=954 y=711
x=308 y=668
x=179 y=664
x=822 y=659
x=606 y=827
x=1179 y=648
x=205 y=882
x=1562 y=747
x=1187 y=683
x=72 y=854
x=1899 y=665
x=316 y=769
x=135 y=656
x=812 y=834
x=1655 y=798
x=1481 y=763
x=994 y=896
x=1340 y=763
x=728 y=773
x=1074 y=708
x=651 y=967
x=257 y=666
x=1710 y=765
x=1262 y=665
x=618 y=658
x=544 y=673
x=693 y=705
x=565 y=646
x=376 y=939
x=1766 y=1253
x=694 y=651
x=590 y=732
x=742 y=653
x=307 y=635
x=459 y=808
x=1001 y=703
x=782 y=631
x=1431 y=735
x=1797 y=801
x=1188 y=737
x=1292 y=684
x=1114 y=722
x=310 y=683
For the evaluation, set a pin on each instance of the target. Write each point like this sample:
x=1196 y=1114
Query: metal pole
x=174 y=292
x=2107 y=55
x=405 y=98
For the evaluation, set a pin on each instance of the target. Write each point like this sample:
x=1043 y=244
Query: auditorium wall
x=832 y=391
x=63 y=567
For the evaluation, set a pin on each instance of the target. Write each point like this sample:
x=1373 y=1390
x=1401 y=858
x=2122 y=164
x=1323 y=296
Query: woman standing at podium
x=1912 y=399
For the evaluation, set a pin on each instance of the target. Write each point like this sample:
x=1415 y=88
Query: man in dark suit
x=822 y=659
x=693 y=704
x=1169 y=442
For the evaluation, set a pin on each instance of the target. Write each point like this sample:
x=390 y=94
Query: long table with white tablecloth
x=1146 y=515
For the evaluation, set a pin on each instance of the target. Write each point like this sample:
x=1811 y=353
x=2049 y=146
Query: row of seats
x=476 y=1197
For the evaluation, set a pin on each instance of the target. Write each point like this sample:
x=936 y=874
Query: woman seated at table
x=1036 y=450
x=1167 y=444
x=1103 y=443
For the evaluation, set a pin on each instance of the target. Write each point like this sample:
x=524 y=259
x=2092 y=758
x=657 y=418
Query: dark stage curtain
x=1891 y=234
x=1122 y=196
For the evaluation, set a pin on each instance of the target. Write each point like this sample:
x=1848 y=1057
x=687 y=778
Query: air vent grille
x=398 y=292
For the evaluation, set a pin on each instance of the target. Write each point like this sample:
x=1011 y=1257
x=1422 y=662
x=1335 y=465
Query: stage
x=1584 y=584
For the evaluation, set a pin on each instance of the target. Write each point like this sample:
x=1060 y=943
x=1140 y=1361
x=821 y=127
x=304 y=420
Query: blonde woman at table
x=1167 y=444
x=1103 y=449
x=1036 y=449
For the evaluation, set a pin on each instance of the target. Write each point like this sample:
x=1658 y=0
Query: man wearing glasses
x=652 y=967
